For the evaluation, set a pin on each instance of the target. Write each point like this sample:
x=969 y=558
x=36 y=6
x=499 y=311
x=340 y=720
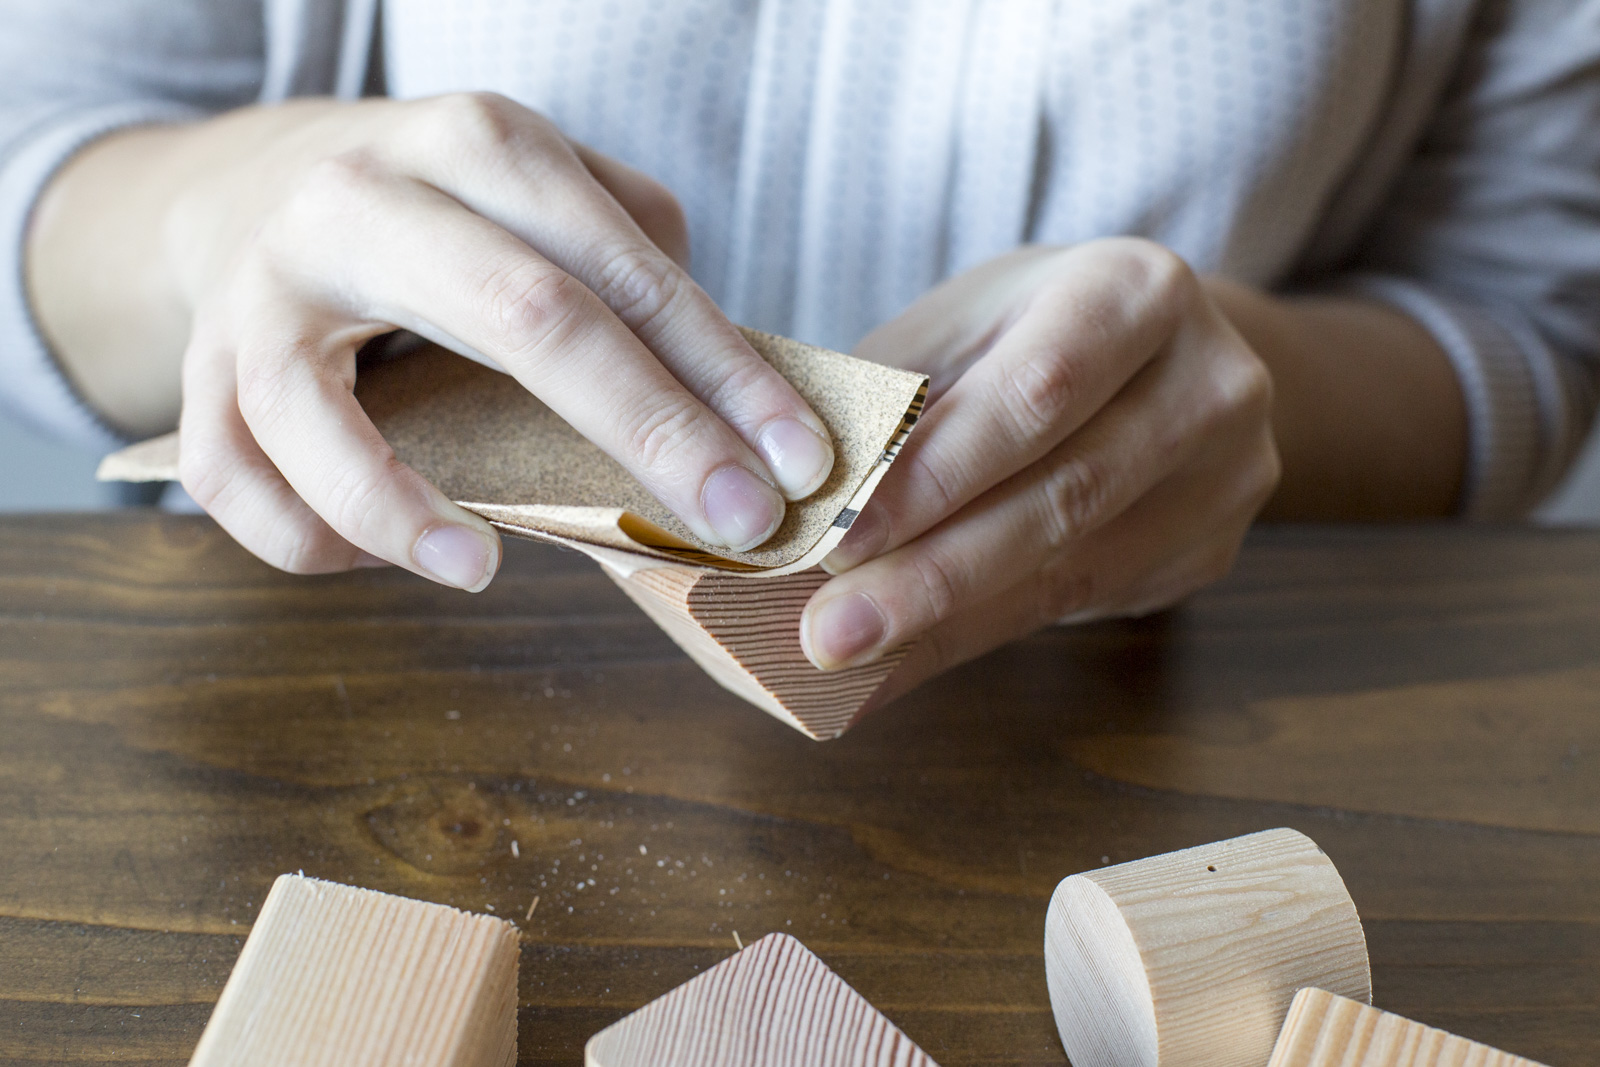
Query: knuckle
x=744 y=379
x=1258 y=391
x=639 y=286
x=933 y=483
x=1243 y=385
x=339 y=177
x=1156 y=270
x=528 y=303
x=1075 y=495
x=322 y=201
x=658 y=435
x=1235 y=395
x=331 y=189
x=1150 y=282
x=474 y=121
x=937 y=585
x=355 y=495
x=1038 y=393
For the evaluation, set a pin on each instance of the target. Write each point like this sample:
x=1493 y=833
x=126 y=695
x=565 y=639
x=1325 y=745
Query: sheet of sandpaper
x=494 y=448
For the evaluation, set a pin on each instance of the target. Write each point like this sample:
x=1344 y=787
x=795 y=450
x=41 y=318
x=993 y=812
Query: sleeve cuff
x=1516 y=415
x=32 y=384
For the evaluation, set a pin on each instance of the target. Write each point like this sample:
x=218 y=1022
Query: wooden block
x=334 y=975
x=745 y=633
x=773 y=1004
x=1191 y=959
x=1326 y=1030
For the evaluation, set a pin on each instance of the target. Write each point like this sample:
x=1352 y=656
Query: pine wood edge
x=469 y=1022
x=1324 y=1029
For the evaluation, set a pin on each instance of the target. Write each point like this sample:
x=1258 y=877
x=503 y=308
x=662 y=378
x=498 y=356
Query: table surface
x=179 y=724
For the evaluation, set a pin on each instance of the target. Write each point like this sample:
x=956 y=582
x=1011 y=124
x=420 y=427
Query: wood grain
x=1546 y=777
x=745 y=634
x=1191 y=958
x=179 y=724
x=1326 y=1030
x=335 y=976
x=773 y=1004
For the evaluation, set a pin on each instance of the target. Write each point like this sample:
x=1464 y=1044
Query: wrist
x=98 y=284
x=1368 y=414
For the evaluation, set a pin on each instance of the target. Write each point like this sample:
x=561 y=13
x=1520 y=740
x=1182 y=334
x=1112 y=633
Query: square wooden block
x=345 y=977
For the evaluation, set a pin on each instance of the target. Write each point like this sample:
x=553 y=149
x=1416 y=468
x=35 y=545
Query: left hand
x=1099 y=443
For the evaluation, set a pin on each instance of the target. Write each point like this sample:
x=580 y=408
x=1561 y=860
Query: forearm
x=102 y=277
x=1367 y=413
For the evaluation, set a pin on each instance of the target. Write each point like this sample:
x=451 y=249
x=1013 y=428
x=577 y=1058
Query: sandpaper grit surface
x=480 y=437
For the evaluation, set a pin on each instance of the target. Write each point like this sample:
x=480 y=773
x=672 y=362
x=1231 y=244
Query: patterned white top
x=836 y=160
x=838 y=157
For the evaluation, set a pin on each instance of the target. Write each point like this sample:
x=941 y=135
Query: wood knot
x=442 y=827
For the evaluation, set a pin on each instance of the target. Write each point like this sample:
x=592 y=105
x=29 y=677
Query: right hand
x=472 y=221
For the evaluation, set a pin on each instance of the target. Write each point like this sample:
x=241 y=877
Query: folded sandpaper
x=496 y=450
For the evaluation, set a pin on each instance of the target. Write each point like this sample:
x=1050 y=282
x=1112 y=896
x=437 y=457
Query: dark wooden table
x=179 y=724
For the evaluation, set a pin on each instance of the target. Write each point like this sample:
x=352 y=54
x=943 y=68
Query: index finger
x=398 y=251
x=554 y=205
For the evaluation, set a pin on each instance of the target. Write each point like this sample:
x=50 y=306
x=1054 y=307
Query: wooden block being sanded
x=1326 y=1030
x=745 y=634
x=335 y=976
x=772 y=1004
x=1191 y=959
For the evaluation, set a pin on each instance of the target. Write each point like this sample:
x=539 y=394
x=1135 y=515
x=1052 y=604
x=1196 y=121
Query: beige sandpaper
x=494 y=448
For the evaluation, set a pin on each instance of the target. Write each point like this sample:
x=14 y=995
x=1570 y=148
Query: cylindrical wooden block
x=1190 y=959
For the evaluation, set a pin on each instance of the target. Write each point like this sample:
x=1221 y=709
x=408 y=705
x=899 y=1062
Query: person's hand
x=1098 y=444
x=473 y=222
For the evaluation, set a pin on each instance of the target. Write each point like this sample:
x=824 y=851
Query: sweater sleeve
x=77 y=70
x=1491 y=240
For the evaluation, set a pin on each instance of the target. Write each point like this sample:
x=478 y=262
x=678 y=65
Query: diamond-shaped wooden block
x=773 y=1004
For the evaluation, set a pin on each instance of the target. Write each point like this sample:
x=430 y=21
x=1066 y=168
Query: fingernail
x=798 y=458
x=866 y=538
x=457 y=555
x=843 y=629
x=743 y=510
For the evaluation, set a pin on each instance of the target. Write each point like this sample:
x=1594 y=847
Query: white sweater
x=838 y=157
